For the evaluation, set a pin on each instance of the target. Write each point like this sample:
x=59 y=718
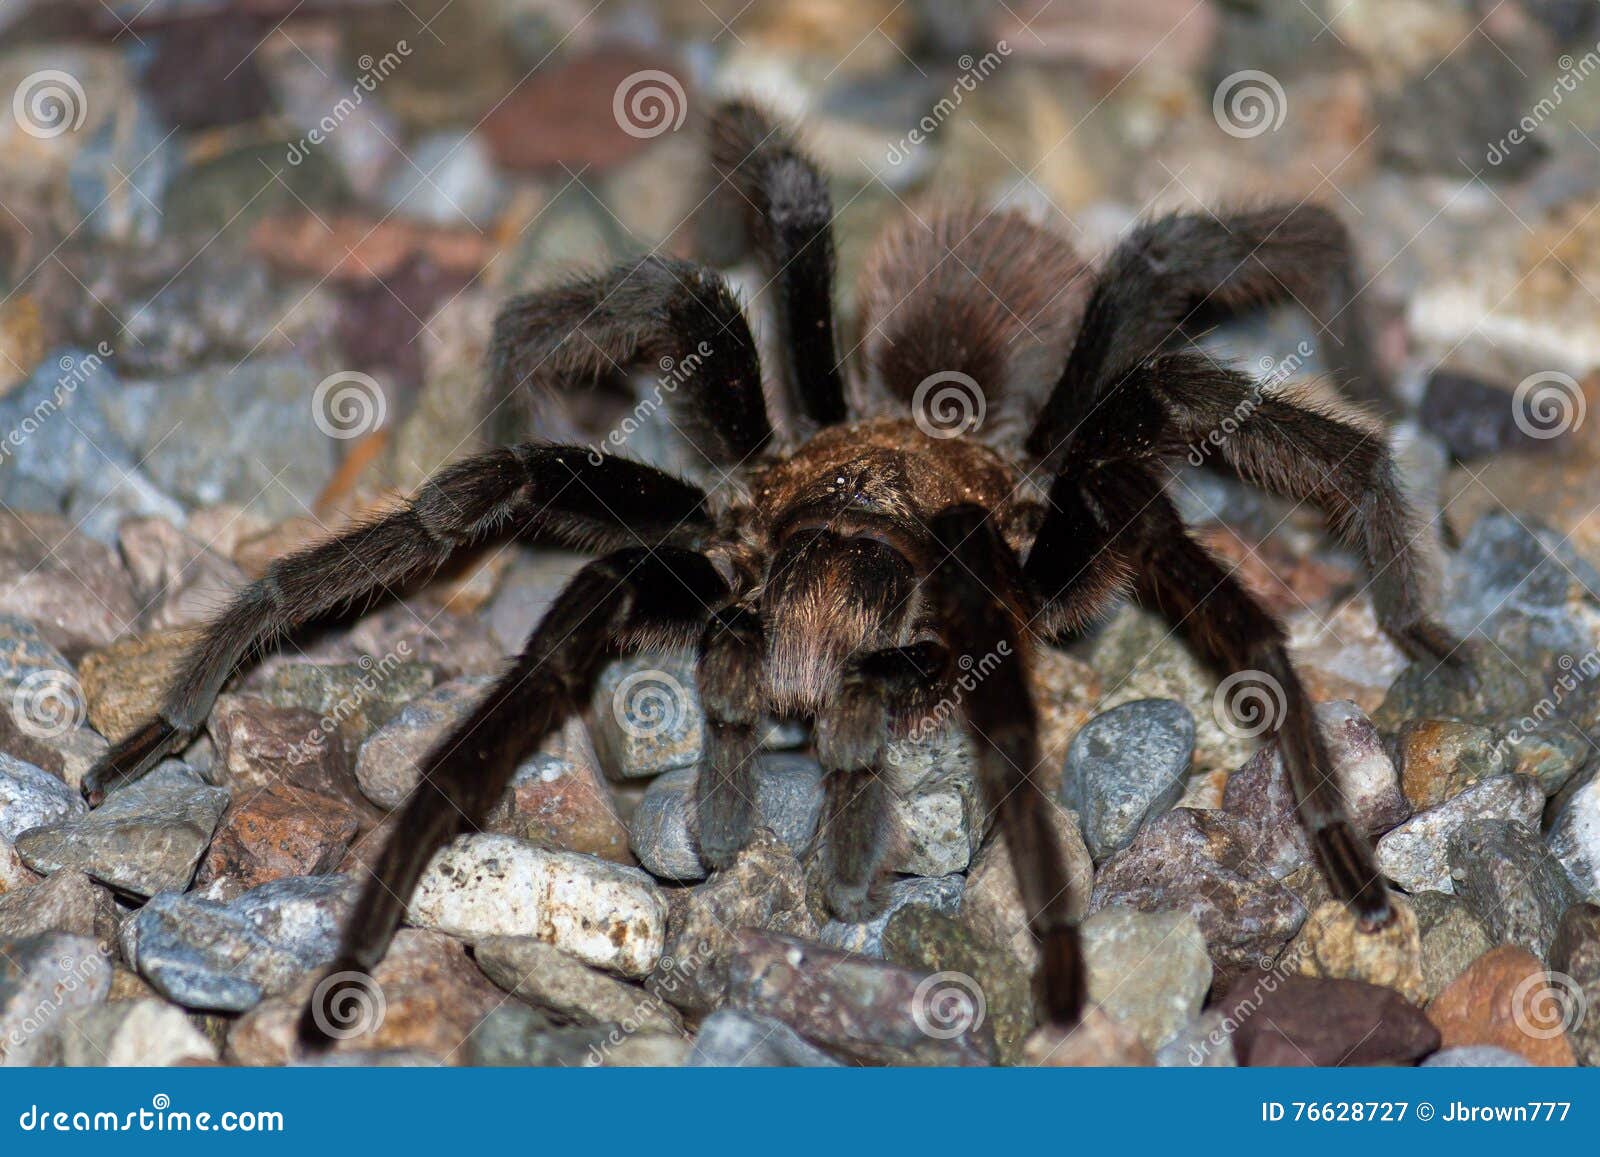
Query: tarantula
x=852 y=552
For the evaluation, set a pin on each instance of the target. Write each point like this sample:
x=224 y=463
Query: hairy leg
x=733 y=689
x=551 y=490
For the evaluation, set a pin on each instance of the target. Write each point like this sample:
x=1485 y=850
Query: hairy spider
x=854 y=551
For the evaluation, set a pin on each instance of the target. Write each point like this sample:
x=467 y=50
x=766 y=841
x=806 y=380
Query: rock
x=119 y=178
x=68 y=585
x=1260 y=794
x=1429 y=691
x=125 y=683
x=1126 y=766
x=559 y=799
x=764 y=889
x=178 y=581
x=877 y=1012
x=936 y=807
x=271 y=834
x=1333 y=944
x=729 y=1038
x=1575 y=955
x=146 y=838
x=1506 y=1000
x=1296 y=1020
x=936 y=894
x=1440 y=758
x=1097 y=1041
x=424 y=996
x=936 y=942
x=1344 y=655
x=265 y=748
x=129 y=1033
x=229 y=956
x=31 y=798
x=1203 y=1043
x=514 y=1034
x=1414 y=855
x=42 y=978
x=1452 y=938
x=1551 y=753
x=352 y=699
x=550 y=979
x=204 y=72
x=67 y=755
x=389 y=764
x=1476 y=1057
x=65 y=902
x=1505 y=874
x=991 y=904
x=1474 y=418
x=451 y=181
x=491 y=885
x=1147 y=970
x=1574 y=839
x=21 y=341
x=1203 y=863
x=645 y=715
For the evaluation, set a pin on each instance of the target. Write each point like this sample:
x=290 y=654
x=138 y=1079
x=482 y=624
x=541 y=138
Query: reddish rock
x=265 y=747
x=1504 y=999
x=1280 y=1020
x=267 y=835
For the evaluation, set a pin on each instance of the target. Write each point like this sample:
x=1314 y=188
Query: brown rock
x=262 y=747
x=1281 y=1020
x=21 y=340
x=1332 y=944
x=65 y=902
x=176 y=578
x=124 y=684
x=70 y=586
x=355 y=250
x=1576 y=955
x=427 y=997
x=559 y=799
x=1441 y=758
x=267 y=835
x=1097 y=1041
x=1503 y=999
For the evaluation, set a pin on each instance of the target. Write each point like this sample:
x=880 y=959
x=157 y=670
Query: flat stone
x=645 y=715
x=146 y=838
x=268 y=835
x=1574 y=839
x=1504 y=872
x=550 y=979
x=1148 y=970
x=129 y=1033
x=492 y=885
x=992 y=905
x=425 y=997
x=873 y=1011
x=1126 y=766
x=1575 y=955
x=68 y=585
x=934 y=894
x=729 y=1038
x=1440 y=758
x=1506 y=1000
x=1261 y=795
x=1204 y=863
x=1282 y=1020
x=1332 y=944
x=1415 y=854
x=227 y=957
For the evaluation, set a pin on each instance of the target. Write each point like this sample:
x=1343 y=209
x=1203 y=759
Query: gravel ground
x=249 y=256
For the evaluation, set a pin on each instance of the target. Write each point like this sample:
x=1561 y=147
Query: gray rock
x=1496 y=690
x=1574 y=838
x=1452 y=936
x=1551 y=752
x=25 y=654
x=41 y=979
x=389 y=763
x=146 y=838
x=1505 y=874
x=31 y=798
x=1476 y=1057
x=65 y=902
x=1126 y=766
x=1149 y=970
x=129 y=1033
x=229 y=957
x=1260 y=793
x=645 y=715
x=935 y=803
x=119 y=177
x=1203 y=1043
x=936 y=894
x=1204 y=863
x=1415 y=854
x=1576 y=956
x=874 y=1011
x=992 y=904
x=350 y=699
x=450 y=181
x=545 y=976
x=514 y=1034
x=729 y=1038
x=72 y=588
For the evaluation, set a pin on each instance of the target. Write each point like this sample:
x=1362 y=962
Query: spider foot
x=1060 y=985
x=128 y=760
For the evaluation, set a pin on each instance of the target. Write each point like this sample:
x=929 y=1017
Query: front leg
x=733 y=687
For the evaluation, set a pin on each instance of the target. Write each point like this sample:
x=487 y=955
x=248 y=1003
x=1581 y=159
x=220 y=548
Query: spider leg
x=663 y=595
x=1179 y=578
x=560 y=490
x=779 y=202
x=1184 y=266
x=677 y=318
x=879 y=694
x=732 y=680
x=975 y=586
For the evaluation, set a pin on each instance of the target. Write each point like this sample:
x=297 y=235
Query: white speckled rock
x=1149 y=970
x=1416 y=855
x=142 y=1033
x=937 y=806
x=489 y=885
x=1575 y=839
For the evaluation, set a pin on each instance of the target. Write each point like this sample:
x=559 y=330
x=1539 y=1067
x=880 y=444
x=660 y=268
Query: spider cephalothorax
x=856 y=545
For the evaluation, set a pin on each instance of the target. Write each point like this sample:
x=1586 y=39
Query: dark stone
x=1300 y=1020
x=1504 y=872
